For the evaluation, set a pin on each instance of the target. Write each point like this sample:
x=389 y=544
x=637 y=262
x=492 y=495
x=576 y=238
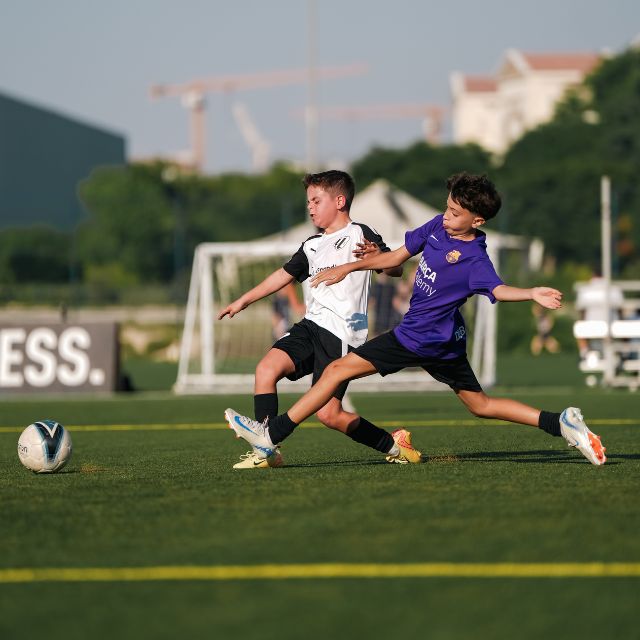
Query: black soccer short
x=387 y=355
x=312 y=349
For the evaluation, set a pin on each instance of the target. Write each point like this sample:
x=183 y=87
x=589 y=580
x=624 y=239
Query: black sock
x=372 y=436
x=550 y=422
x=265 y=405
x=281 y=427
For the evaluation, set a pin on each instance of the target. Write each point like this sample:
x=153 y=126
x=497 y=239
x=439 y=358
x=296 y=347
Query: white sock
x=394 y=451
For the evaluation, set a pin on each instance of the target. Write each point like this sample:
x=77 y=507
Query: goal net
x=220 y=356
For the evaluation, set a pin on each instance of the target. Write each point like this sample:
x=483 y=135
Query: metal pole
x=605 y=207
x=206 y=315
x=311 y=114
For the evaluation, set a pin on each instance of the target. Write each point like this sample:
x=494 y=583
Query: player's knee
x=481 y=408
x=336 y=371
x=268 y=371
x=329 y=417
x=334 y=418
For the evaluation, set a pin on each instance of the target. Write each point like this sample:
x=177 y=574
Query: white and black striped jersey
x=340 y=308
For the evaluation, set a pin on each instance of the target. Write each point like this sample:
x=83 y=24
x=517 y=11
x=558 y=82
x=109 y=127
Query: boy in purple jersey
x=454 y=265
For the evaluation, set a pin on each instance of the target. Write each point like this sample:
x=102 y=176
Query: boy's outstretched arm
x=544 y=296
x=368 y=249
x=269 y=285
x=386 y=260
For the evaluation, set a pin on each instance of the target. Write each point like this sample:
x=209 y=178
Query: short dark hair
x=334 y=182
x=475 y=193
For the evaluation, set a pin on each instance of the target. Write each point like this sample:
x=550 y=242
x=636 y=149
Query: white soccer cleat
x=250 y=460
x=577 y=435
x=254 y=432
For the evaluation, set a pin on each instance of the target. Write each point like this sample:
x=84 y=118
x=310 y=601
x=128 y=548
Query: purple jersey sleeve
x=415 y=240
x=483 y=278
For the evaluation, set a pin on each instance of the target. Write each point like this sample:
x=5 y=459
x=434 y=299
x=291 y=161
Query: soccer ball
x=45 y=446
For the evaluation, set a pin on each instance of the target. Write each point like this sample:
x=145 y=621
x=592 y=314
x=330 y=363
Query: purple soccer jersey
x=449 y=272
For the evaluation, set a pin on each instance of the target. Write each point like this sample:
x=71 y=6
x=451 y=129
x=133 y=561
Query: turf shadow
x=525 y=457
x=623 y=456
x=335 y=463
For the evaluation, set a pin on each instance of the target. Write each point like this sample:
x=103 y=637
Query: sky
x=95 y=61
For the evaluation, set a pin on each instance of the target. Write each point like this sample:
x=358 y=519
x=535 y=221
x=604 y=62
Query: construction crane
x=432 y=116
x=193 y=93
x=260 y=148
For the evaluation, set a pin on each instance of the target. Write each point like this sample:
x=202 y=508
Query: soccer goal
x=220 y=357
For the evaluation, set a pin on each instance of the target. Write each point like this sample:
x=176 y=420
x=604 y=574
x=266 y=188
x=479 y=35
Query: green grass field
x=213 y=552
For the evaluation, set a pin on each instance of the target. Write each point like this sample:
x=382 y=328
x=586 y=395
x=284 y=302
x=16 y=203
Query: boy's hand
x=547 y=297
x=331 y=276
x=231 y=309
x=365 y=249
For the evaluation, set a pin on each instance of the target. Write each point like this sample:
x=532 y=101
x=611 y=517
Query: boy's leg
x=483 y=406
x=347 y=368
x=265 y=438
x=569 y=424
x=275 y=365
x=292 y=357
x=387 y=354
x=458 y=374
x=350 y=367
x=334 y=416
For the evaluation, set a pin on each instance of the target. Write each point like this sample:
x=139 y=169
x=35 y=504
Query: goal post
x=219 y=357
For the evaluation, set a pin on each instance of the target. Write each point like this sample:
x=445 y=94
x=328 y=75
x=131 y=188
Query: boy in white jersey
x=335 y=321
x=454 y=265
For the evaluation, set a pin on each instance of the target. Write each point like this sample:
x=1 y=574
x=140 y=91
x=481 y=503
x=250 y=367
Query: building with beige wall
x=494 y=111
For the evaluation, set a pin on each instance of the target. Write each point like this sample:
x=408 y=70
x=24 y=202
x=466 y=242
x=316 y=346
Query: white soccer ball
x=45 y=446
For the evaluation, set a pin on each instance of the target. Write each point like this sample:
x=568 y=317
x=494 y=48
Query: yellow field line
x=308 y=425
x=312 y=571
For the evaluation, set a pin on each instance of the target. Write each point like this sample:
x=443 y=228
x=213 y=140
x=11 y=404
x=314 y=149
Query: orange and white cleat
x=407 y=455
x=576 y=433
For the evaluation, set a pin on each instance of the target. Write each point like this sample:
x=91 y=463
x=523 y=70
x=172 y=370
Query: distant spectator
x=385 y=316
x=403 y=292
x=390 y=301
x=543 y=338
x=285 y=301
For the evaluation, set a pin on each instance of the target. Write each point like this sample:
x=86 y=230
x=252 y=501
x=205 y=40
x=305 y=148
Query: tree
x=37 y=254
x=551 y=176
x=422 y=169
x=130 y=225
x=550 y=182
x=145 y=221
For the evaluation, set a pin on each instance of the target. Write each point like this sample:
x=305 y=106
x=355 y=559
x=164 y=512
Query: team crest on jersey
x=453 y=256
x=338 y=244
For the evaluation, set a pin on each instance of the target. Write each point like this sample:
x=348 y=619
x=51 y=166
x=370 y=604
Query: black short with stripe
x=387 y=355
x=312 y=349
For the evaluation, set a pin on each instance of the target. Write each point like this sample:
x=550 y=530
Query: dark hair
x=337 y=183
x=475 y=193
